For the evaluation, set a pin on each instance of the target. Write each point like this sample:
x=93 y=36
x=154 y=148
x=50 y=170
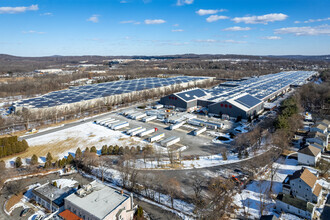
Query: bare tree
x=173 y=189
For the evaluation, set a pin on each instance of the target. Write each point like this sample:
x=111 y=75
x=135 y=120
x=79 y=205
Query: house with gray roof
x=317 y=137
x=97 y=201
x=319 y=128
x=51 y=197
x=309 y=155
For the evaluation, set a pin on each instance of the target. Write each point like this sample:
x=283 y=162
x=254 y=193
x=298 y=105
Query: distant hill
x=25 y=64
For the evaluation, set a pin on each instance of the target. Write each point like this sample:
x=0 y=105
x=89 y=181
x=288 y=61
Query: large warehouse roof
x=245 y=101
x=192 y=94
x=81 y=93
x=260 y=87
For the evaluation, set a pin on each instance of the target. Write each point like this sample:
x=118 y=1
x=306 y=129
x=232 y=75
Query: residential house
x=318 y=146
x=97 y=201
x=302 y=184
x=326 y=123
x=301 y=193
x=52 y=197
x=290 y=204
x=317 y=137
x=309 y=155
x=319 y=128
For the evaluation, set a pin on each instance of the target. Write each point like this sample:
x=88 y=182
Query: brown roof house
x=309 y=155
x=301 y=193
x=325 y=122
x=317 y=137
x=320 y=128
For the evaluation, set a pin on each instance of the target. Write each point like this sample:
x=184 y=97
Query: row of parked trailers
x=112 y=123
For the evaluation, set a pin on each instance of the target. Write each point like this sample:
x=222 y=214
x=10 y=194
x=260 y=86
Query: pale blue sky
x=160 y=27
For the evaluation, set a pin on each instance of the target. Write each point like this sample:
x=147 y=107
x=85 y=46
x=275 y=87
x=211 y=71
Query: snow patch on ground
x=250 y=196
x=65 y=182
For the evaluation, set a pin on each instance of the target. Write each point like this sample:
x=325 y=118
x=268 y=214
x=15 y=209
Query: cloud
x=214 y=18
x=272 y=38
x=313 y=20
x=155 y=21
x=94 y=19
x=234 y=42
x=206 y=41
x=123 y=2
x=15 y=10
x=175 y=25
x=237 y=28
x=130 y=22
x=202 y=12
x=184 y=2
x=305 y=31
x=263 y=19
x=32 y=32
x=47 y=14
x=177 y=30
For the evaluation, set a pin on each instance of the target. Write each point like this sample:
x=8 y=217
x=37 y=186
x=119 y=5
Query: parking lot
x=203 y=144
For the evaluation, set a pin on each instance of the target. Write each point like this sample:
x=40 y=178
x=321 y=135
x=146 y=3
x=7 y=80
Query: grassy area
x=54 y=148
x=13 y=201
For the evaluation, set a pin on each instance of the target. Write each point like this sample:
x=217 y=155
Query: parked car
x=24 y=212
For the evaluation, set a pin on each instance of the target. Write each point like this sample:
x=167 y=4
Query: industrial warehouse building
x=241 y=98
x=108 y=93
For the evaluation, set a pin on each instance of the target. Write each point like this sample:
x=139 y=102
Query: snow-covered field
x=84 y=135
x=250 y=197
x=202 y=162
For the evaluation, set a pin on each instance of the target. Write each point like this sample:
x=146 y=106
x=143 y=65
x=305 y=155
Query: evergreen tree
x=93 y=150
x=116 y=150
x=246 y=154
x=69 y=160
x=110 y=150
x=49 y=157
x=239 y=155
x=139 y=213
x=18 y=162
x=104 y=150
x=86 y=150
x=78 y=153
x=34 y=160
x=55 y=183
x=121 y=151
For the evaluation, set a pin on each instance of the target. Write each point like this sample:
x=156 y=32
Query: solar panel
x=248 y=101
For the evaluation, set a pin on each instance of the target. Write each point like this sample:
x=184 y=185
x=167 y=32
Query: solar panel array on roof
x=191 y=94
x=261 y=87
x=88 y=92
x=248 y=101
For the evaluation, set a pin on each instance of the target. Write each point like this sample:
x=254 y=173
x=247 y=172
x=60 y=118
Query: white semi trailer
x=199 y=131
x=157 y=137
x=107 y=121
x=111 y=123
x=138 y=116
x=170 y=141
x=149 y=118
x=144 y=133
x=177 y=125
x=119 y=126
x=138 y=131
x=129 y=131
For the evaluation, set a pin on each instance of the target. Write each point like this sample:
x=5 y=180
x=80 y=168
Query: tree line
x=11 y=145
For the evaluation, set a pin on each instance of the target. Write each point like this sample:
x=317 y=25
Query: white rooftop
x=100 y=202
